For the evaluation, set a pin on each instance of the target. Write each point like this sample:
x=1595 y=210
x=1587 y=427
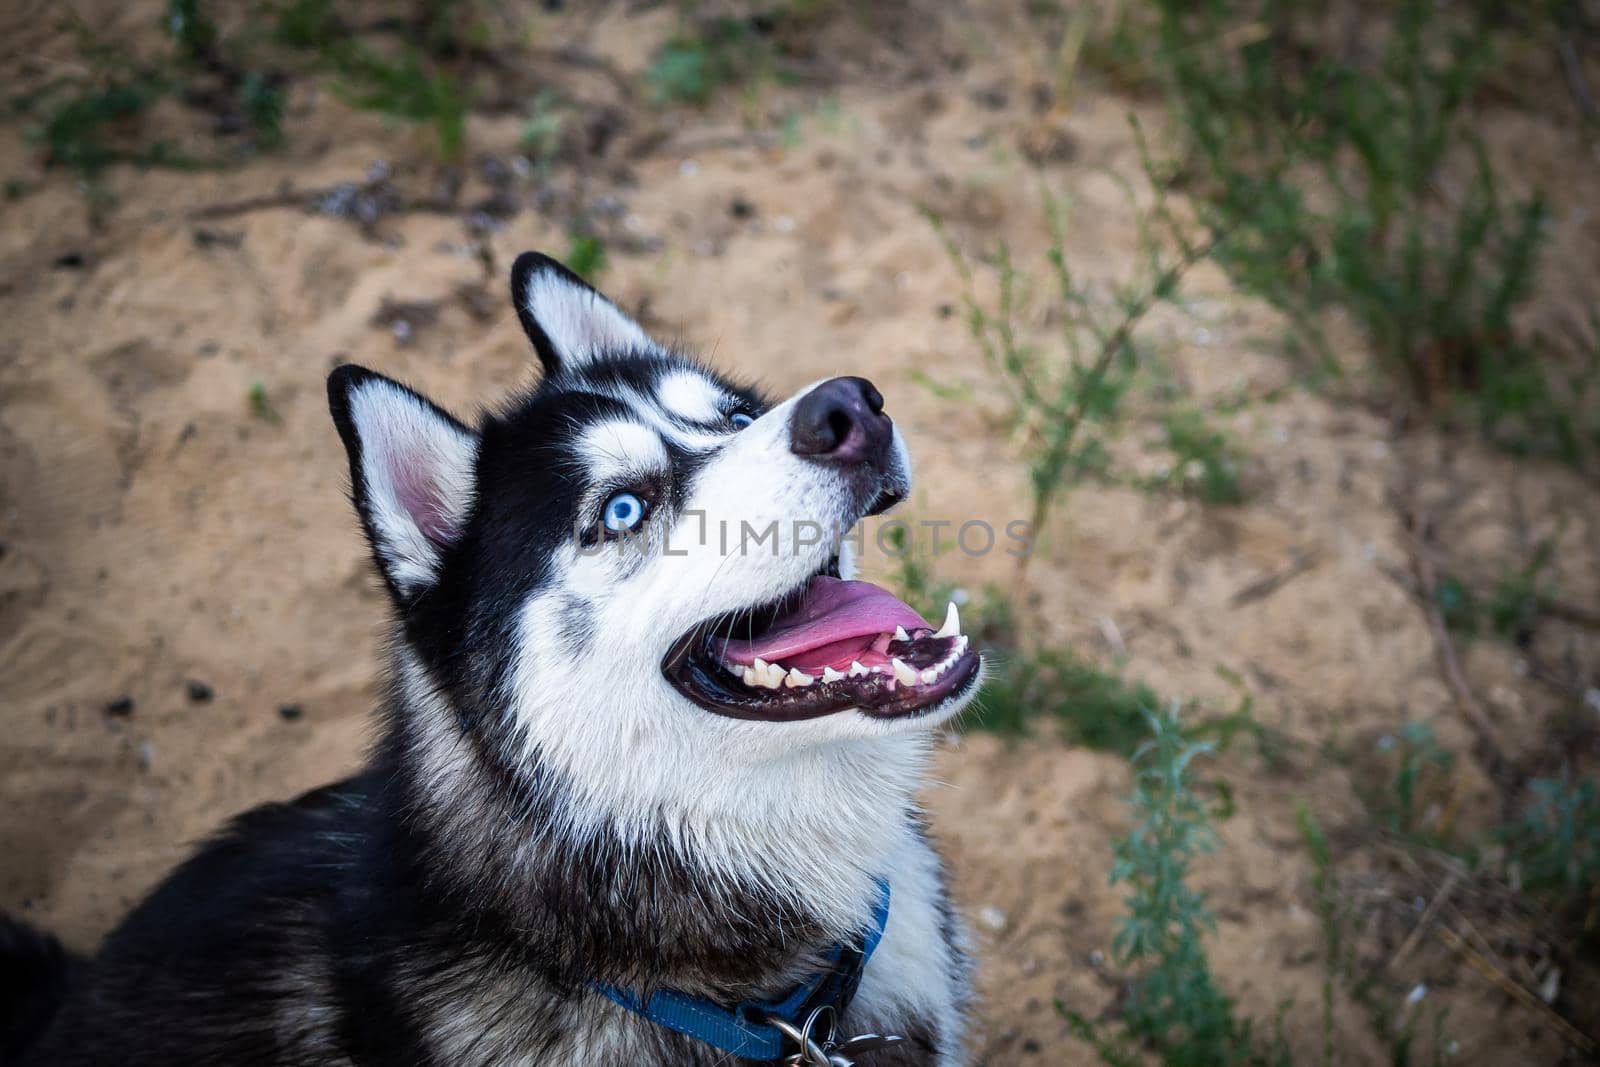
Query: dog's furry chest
x=303 y=936
x=476 y=1010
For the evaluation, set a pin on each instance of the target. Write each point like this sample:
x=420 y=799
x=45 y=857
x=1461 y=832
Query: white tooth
x=952 y=622
x=796 y=679
x=751 y=678
x=775 y=675
x=929 y=675
x=900 y=634
x=857 y=670
x=760 y=665
x=831 y=675
x=904 y=674
x=961 y=644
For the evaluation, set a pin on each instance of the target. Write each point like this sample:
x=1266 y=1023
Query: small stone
x=291 y=712
x=740 y=208
x=122 y=707
x=992 y=917
x=199 y=692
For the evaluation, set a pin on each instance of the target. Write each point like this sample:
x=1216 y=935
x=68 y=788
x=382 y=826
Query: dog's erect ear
x=411 y=473
x=568 y=322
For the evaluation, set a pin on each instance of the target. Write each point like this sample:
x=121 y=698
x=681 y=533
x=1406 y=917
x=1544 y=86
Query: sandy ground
x=155 y=533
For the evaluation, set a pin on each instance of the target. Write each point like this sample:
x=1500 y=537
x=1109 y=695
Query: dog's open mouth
x=827 y=646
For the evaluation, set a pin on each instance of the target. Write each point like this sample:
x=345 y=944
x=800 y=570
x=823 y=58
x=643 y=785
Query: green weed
x=1204 y=462
x=1416 y=782
x=407 y=87
x=541 y=130
x=1324 y=175
x=262 y=101
x=694 y=64
x=1557 y=843
x=78 y=128
x=586 y=256
x=190 y=28
x=1090 y=705
x=1175 y=1007
x=1067 y=403
x=261 y=405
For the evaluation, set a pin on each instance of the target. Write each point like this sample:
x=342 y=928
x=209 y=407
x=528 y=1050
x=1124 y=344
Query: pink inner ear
x=422 y=498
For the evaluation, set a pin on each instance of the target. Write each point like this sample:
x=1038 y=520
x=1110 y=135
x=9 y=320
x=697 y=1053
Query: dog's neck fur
x=729 y=901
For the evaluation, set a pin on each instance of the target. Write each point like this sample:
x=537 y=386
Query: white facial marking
x=690 y=396
x=617 y=449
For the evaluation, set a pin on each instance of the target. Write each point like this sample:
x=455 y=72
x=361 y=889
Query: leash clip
x=821 y=1048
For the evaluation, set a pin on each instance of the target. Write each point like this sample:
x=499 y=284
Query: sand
x=189 y=625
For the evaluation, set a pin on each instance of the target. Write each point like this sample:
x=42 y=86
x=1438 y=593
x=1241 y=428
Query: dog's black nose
x=841 y=421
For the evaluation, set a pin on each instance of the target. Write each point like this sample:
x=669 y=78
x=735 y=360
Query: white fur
x=404 y=440
x=580 y=323
x=616 y=449
x=690 y=395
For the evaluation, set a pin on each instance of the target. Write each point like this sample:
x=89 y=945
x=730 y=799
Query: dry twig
x=1515 y=991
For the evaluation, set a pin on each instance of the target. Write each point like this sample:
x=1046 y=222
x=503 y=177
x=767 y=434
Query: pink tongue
x=834 y=619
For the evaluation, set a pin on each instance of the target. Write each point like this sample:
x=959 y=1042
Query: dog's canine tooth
x=903 y=673
x=857 y=670
x=797 y=679
x=900 y=634
x=831 y=675
x=952 y=622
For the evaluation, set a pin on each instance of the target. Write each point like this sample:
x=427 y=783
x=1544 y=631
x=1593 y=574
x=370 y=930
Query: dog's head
x=636 y=571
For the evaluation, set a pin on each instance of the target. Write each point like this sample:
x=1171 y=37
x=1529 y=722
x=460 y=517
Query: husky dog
x=647 y=758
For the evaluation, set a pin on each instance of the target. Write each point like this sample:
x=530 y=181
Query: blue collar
x=744 y=1030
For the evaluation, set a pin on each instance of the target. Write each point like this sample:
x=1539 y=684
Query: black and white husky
x=644 y=793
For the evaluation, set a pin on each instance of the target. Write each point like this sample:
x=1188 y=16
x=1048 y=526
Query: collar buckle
x=821 y=1047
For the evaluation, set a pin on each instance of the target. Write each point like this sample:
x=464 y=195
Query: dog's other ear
x=568 y=322
x=411 y=473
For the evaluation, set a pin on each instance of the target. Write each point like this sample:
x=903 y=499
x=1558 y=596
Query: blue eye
x=740 y=420
x=623 y=512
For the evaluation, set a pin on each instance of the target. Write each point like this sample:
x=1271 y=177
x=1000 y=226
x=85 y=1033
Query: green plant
x=1324 y=176
x=305 y=23
x=1557 y=843
x=1065 y=404
x=586 y=255
x=190 y=28
x=1519 y=596
x=1175 y=1005
x=262 y=101
x=1204 y=462
x=76 y=128
x=261 y=405
x=1327 y=913
x=1458 y=605
x=408 y=86
x=1090 y=705
x=695 y=63
x=1421 y=772
x=541 y=130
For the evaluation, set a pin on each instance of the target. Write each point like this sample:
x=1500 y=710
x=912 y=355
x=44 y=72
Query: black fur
x=35 y=972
